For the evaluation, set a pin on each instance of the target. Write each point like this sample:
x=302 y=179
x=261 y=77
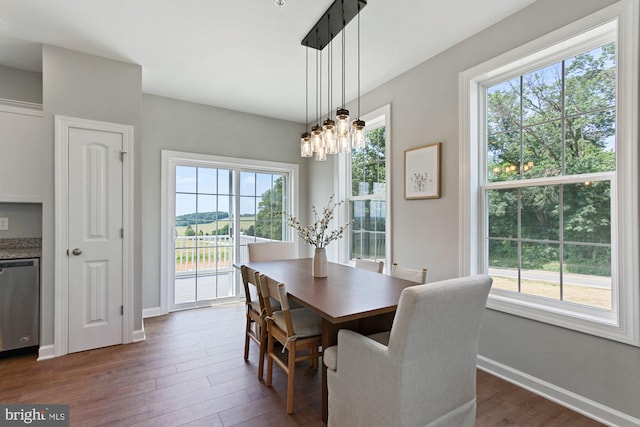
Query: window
x=363 y=180
x=214 y=207
x=551 y=195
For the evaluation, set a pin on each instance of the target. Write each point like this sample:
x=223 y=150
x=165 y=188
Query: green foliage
x=368 y=164
x=533 y=132
x=200 y=218
x=189 y=231
x=269 y=218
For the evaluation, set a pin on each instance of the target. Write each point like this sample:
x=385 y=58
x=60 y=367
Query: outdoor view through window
x=367 y=203
x=550 y=172
x=210 y=237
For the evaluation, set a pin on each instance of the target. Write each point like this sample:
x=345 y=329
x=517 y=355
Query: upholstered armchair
x=422 y=372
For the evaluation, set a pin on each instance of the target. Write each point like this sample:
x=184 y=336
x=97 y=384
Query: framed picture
x=422 y=172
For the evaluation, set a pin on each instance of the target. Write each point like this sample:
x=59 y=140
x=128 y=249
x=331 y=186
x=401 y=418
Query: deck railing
x=210 y=254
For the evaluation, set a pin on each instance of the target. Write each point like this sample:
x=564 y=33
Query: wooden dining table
x=348 y=297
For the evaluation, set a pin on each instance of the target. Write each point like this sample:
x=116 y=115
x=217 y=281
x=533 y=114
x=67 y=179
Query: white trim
x=61 y=273
x=559 y=395
x=152 y=312
x=20 y=107
x=623 y=322
x=46 y=352
x=10 y=198
x=169 y=160
x=138 y=335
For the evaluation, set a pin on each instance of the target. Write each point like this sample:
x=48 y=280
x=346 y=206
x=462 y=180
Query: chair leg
x=291 y=376
x=263 y=348
x=269 y=359
x=247 y=331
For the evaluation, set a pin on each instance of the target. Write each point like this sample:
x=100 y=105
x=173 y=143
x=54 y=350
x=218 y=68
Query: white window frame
x=622 y=323
x=171 y=159
x=378 y=117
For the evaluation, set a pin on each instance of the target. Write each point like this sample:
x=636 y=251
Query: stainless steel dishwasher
x=19 y=305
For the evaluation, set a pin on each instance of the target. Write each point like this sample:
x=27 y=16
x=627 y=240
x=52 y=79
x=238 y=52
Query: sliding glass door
x=217 y=210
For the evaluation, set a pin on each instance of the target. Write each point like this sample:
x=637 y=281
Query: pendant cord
x=358 y=60
x=306 y=90
x=344 y=25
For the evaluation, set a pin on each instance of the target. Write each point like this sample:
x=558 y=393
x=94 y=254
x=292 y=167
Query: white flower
x=316 y=234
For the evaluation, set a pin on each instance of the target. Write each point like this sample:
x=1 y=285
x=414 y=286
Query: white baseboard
x=139 y=335
x=566 y=398
x=46 y=352
x=152 y=312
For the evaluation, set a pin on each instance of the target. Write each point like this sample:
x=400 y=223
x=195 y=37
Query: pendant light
x=334 y=136
x=305 y=138
x=359 y=137
x=342 y=114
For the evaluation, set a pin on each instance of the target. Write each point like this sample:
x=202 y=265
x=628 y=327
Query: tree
x=269 y=218
x=568 y=127
x=189 y=231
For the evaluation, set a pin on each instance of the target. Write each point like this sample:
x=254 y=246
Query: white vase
x=319 y=265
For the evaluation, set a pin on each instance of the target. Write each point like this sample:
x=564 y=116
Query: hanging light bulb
x=329 y=136
x=305 y=145
x=359 y=137
x=344 y=143
x=321 y=154
x=342 y=123
x=316 y=139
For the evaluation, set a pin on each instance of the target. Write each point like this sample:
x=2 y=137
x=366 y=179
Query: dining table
x=348 y=298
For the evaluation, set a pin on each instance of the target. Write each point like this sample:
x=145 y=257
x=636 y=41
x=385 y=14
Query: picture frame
x=422 y=170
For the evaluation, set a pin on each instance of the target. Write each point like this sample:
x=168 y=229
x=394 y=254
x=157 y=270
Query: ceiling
x=243 y=55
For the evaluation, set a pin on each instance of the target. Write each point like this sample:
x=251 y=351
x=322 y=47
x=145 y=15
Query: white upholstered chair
x=375 y=266
x=271 y=251
x=422 y=373
x=410 y=274
x=298 y=330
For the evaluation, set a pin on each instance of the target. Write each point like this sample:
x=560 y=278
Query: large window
x=551 y=197
x=364 y=180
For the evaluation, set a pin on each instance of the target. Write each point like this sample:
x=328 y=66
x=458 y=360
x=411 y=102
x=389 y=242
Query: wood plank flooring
x=190 y=371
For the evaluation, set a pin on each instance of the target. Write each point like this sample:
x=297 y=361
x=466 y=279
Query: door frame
x=61 y=266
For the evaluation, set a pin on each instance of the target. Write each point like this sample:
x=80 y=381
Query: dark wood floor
x=190 y=371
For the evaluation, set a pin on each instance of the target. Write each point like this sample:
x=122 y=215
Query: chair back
x=410 y=274
x=250 y=278
x=435 y=335
x=271 y=251
x=375 y=266
x=270 y=288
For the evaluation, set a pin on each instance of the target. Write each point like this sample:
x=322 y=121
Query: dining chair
x=375 y=266
x=255 y=329
x=422 y=372
x=410 y=274
x=298 y=330
x=271 y=251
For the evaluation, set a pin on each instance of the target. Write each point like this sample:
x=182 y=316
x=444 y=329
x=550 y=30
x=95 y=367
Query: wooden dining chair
x=255 y=329
x=375 y=266
x=271 y=251
x=410 y=274
x=298 y=330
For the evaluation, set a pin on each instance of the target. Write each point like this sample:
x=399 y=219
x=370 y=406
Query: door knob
x=76 y=251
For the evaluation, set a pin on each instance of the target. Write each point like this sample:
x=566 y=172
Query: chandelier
x=334 y=136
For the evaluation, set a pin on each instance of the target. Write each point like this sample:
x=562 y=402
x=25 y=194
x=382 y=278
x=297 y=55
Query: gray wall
x=20 y=85
x=25 y=220
x=79 y=85
x=424 y=109
x=169 y=124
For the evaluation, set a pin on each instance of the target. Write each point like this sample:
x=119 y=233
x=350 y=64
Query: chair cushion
x=330 y=357
x=305 y=323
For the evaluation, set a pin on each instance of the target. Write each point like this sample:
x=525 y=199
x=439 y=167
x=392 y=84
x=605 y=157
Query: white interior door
x=95 y=224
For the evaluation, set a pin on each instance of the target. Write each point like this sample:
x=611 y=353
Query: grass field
x=208 y=228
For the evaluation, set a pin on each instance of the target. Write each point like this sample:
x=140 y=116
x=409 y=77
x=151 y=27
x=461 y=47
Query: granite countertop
x=20 y=248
